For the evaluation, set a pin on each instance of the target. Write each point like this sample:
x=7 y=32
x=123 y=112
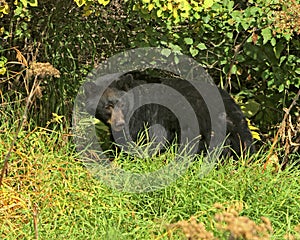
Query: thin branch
x=35 y=221
x=237 y=49
x=24 y=117
x=275 y=141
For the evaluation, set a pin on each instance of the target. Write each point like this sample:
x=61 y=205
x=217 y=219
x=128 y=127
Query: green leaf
x=266 y=74
x=270 y=83
x=273 y=42
x=24 y=3
x=159 y=13
x=208 y=4
x=3 y=61
x=253 y=130
x=254 y=10
x=245 y=24
x=2 y=71
x=193 y=51
x=33 y=3
x=237 y=15
x=175 y=48
x=188 y=41
x=150 y=7
x=230 y=5
x=281 y=88
x=209 y=27
x=229 y=35
x=166 y=52
x=184 y=14
x=234 y=69
x=164 y=43
x=206 y=18
x=196 y=15
x=250 y=108
x=267 y=35
x=201 y=46
x=104 y=2
x=255 y=135
x=279 y=47
x=80 y=2
x=175 y=35
x=4 y=8
x=176 y=59
x=287 y=36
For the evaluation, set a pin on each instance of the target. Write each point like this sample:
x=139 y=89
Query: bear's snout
x=117 y=120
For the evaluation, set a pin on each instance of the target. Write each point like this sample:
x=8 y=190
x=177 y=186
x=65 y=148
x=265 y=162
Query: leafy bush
x=250 y=47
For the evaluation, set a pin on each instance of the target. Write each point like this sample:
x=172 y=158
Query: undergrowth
x=47 y=193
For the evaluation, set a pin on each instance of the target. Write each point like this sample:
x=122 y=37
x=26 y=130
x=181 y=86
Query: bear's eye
x=121 y=104
x=109 y=106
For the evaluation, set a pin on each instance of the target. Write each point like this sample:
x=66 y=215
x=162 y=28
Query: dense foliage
x=47 y=47
x=250 y=48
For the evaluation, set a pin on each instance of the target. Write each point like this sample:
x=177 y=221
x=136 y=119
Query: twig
x=35 y=221
x=287 y=113
x=24 y=117
x=237 y=49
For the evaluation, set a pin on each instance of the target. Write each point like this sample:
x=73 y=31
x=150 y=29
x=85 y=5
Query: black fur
x=113 y=107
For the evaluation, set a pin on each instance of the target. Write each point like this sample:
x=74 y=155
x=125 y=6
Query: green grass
x=45 y=177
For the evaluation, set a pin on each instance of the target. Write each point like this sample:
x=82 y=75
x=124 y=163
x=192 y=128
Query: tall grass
x=47 y=193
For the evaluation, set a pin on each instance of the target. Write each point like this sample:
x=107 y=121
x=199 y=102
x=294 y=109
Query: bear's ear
x=127 y=77
x=126 y=82
x=90 y=88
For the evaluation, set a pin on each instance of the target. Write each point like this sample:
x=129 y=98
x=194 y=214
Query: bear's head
x=110 y=109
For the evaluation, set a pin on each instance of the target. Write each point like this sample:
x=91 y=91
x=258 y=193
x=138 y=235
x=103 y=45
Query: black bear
x=109 y=109
x=113 y=108
x=115 y=105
